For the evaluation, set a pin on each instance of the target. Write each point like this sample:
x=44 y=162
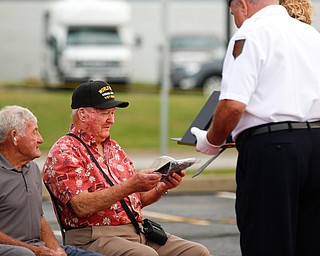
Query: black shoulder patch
x=238 y=47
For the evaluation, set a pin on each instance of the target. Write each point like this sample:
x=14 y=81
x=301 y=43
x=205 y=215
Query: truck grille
x=97 y=64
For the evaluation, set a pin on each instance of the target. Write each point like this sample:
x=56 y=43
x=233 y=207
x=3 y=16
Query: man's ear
x=13 y=135
x=243 y=5
x=81 y=114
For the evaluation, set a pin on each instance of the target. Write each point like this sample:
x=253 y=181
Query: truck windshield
x=93 y=36
x=195 y=42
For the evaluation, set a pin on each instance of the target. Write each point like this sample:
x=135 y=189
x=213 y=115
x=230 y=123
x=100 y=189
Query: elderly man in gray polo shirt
x=23 y=229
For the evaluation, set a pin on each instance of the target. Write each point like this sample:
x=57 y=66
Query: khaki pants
x=123 y=240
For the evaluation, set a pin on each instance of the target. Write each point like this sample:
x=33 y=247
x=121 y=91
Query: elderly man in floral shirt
x=88 y=205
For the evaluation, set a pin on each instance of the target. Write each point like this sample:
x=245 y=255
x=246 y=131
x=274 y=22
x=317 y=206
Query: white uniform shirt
x=277 y=74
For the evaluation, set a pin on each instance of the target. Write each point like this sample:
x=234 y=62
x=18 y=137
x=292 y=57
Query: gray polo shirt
x=20 y=201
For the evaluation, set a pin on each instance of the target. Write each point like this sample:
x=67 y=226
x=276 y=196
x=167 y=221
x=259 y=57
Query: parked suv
x=196 y=61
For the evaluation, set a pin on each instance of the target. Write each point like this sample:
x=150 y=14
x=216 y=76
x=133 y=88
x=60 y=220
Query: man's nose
x=40 y=139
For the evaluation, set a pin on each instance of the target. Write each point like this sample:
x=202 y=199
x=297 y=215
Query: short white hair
x=14 y=117
x=73 y=112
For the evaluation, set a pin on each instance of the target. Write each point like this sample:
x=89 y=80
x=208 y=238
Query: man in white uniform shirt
x=270 y=102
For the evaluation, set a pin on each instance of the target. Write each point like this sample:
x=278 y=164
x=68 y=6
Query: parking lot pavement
x=208 y=219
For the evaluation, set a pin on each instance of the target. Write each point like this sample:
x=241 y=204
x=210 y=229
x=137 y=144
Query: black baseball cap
x=95 y=94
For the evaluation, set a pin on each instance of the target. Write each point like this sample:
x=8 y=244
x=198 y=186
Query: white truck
x=88 y=39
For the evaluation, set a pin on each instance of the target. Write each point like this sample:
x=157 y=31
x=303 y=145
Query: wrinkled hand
x=203 y=145
x=60 y=252
x=44 y=251
x=145 y=180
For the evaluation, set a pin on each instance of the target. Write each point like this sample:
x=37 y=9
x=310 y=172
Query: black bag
x=154 y=232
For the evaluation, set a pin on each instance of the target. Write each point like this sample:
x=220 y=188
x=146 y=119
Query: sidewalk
x=201 y=184
x=226 y=160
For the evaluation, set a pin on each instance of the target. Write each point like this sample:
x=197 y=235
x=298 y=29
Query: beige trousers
x=123 y=240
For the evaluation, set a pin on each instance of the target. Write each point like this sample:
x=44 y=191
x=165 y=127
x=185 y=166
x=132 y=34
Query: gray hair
x=14 y=117
x=73 y=112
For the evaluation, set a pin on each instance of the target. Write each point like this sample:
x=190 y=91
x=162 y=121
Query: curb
x=206 y=184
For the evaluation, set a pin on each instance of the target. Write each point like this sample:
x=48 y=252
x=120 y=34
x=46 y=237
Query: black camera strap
x=123 y=203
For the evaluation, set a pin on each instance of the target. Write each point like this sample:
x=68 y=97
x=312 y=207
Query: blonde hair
x=299 y=9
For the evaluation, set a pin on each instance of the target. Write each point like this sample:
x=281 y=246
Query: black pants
x=278 y=193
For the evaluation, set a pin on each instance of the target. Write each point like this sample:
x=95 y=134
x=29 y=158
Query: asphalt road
x=207 y=218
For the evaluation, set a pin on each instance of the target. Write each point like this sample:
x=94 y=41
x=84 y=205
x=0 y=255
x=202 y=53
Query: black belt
x=274 y=127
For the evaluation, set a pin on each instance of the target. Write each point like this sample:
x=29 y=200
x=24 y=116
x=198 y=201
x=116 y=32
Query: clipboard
x=202 y=121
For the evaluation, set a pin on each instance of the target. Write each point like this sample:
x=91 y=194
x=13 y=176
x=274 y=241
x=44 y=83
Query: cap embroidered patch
x=238 y=47
x=107 y=92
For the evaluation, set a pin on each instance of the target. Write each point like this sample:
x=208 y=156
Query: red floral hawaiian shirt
x=69 y=170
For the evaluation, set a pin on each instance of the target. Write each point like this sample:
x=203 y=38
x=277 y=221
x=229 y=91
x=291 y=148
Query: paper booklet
x=167 y=165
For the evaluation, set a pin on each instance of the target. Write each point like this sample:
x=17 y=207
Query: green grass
x=137 y=127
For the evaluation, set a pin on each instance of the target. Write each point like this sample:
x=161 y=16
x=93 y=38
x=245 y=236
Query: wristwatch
x=164 y=193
